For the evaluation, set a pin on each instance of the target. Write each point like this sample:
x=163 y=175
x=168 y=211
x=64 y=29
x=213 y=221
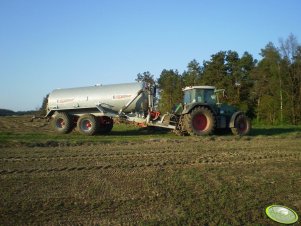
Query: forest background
x=268 y=90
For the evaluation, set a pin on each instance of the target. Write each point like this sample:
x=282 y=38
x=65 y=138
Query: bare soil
x=155 y=180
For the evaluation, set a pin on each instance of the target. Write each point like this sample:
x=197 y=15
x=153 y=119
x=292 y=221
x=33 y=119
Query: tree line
x=268 y=90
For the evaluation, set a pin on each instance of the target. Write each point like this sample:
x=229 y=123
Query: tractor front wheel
x=242 y=125
x=199 y=122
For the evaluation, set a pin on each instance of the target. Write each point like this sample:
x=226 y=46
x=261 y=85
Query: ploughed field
x=136 y=176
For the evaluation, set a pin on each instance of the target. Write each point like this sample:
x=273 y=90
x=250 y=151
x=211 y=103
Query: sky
x=52 y=44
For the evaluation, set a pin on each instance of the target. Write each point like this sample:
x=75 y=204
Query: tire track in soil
x=120 y=157
x=106 y=211
x=126 y=155
x=160 y=164
x=117 y=154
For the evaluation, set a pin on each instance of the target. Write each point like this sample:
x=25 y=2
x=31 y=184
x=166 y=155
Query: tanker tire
x=87 y=124
x=62 y=122
x=106 y=128
x=199 y=122
x=242 y=125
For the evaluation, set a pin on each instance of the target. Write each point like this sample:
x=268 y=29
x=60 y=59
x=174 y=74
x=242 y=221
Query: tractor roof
x=198 y=87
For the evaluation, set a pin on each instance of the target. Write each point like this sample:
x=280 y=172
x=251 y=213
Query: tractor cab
x=199 y=94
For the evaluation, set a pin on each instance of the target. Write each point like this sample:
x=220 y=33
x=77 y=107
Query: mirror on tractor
x=199 y=94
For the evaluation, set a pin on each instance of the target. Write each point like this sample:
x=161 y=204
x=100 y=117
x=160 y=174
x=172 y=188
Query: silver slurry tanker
x=91 y=109
x=105 y=98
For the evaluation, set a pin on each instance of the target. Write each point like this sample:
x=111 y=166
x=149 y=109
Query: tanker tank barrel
x=115 y=99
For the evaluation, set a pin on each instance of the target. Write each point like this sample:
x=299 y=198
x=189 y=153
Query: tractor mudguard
x=233 y=117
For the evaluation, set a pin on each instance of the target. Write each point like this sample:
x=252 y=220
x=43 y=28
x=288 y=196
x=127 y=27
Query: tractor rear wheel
x=62 y=122
x=242 y=125
x=87 y=124
x=199 y=122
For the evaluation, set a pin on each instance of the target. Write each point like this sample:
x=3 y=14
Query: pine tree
x=170 y=85
x=192 y=76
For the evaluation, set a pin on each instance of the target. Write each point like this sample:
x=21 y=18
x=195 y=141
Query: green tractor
x=202 y=113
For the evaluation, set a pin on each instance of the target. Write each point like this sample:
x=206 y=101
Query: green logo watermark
x=281 y=214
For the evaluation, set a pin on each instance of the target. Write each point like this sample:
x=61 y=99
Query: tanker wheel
x=87 y=124
x=106 y=124
x=199 y=122
x=62 y=122
x=242 y=125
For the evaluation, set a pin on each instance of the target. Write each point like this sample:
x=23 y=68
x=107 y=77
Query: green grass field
x=19 y=131
x=138 y=177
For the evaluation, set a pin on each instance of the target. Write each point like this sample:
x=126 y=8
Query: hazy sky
x=69 y=43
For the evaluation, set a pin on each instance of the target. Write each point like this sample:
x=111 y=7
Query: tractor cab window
x=206 y=96
x=193 y=95
x=209 y=96
x=187 y=96
x=199 y=95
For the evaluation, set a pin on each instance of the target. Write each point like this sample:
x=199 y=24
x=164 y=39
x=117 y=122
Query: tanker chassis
x=92 y=109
